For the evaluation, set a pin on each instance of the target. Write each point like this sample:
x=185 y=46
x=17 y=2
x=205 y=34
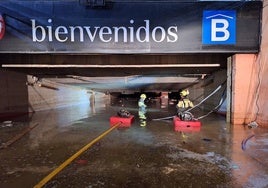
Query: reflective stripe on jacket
x=185 y=103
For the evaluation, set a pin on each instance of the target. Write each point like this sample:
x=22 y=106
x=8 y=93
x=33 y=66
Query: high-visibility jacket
x=185 y=103
x=141 y=103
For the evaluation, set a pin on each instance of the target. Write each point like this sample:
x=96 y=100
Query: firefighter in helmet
x=141 y=101
x=142 y=110
x=184 y=103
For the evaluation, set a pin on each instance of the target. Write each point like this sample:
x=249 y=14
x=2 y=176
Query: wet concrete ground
x=217 y=155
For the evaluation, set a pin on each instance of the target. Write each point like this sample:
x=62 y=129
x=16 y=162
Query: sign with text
x=129 y=27
x=219 y=27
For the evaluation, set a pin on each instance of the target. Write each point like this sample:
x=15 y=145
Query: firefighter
x=142 y=110
x=184 y=103
x=141 y=101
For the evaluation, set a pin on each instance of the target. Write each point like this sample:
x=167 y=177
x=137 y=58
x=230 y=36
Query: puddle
x=153 y=155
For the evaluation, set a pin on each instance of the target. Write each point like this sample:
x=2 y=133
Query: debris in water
x=81 y=161
x=253 y=124
x=7 y=124
x=244 y=142
x=207 y=139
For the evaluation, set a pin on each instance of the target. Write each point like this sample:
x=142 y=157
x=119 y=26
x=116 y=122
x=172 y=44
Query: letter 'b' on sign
x=219 y=27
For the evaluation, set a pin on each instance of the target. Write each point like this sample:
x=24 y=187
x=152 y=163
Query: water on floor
x=147 y=154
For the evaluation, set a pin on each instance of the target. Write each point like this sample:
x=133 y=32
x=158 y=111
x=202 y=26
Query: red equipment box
x=180 y=125
x=125 y=121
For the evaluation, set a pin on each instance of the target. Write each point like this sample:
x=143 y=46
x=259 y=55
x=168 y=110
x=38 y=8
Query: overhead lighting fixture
x=108 y=66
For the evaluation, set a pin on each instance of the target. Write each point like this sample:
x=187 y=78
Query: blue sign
x=130 y=27
x=219 y=27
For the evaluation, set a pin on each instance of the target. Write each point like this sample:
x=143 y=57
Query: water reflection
x=208 y=157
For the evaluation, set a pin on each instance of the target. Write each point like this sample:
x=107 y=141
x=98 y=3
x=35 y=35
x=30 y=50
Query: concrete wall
x=13 y=94
x=44 y=95
x=250 y=82
x=21 y=94
x=244 y=77
x=262 y=111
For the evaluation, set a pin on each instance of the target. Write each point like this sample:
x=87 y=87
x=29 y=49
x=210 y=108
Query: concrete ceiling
x=102 y=65
x=118 y=73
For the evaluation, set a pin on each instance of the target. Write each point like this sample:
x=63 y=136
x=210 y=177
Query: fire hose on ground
x=68 y=161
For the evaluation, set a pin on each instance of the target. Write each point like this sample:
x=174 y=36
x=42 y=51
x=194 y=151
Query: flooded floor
x=147 y=154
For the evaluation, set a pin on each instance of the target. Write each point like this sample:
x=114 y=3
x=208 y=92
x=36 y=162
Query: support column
x=13 y=94
x=243 y=88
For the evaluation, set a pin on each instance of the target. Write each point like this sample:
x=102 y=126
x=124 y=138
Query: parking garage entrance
x=125 y=47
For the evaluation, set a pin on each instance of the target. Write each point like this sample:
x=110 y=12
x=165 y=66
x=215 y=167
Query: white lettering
x=220 y=30
x=115 y=34
x=131 y=30
x=145 y=34
x=162 y=34
x=49 y=31
x=102 y=33
x=81 y=32
x=172 y=34
x=61 y=30
x=34 y=32
x=91 y=37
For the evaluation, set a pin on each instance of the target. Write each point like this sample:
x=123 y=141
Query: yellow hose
x=68 y=161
